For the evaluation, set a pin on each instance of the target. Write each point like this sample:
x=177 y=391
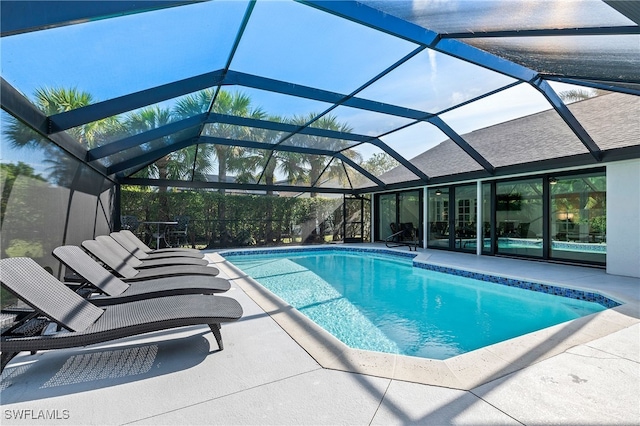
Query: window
x=519 y=218
x=578 y=217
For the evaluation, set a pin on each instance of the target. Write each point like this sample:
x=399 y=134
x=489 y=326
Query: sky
x=284 y=40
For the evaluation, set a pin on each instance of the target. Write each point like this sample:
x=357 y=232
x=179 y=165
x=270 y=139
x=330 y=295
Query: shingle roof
x=612 y=120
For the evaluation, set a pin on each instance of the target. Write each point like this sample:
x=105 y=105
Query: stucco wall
x=623 y=218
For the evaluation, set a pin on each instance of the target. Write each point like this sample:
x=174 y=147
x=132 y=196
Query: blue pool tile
x=511 y=282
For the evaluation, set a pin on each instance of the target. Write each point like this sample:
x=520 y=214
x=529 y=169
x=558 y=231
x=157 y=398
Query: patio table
x=159 y=223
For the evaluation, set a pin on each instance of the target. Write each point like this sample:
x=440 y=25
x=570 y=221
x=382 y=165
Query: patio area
x=582 y=372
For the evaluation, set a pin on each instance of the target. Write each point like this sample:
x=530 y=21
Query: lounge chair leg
x=215 y=329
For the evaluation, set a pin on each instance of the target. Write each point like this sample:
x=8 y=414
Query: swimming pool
x=381 y=302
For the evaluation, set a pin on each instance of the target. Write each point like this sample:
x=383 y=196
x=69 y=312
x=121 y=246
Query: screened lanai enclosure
x=493 y=126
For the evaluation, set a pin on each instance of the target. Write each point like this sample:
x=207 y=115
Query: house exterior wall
x=623 y=218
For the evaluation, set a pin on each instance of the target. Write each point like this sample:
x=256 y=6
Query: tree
x=379 y=163
x=580 y=94
x=8 y=175
x=318 y=166
x=318 y=163
x=228 y=157
x=144 y=120
x=53 y=101
x=197 y=158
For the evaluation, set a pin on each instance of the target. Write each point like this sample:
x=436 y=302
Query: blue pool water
x=382 y=303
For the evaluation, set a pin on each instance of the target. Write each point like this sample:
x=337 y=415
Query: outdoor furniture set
x=129 y=290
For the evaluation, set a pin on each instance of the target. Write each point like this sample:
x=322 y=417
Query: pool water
x=382 y=303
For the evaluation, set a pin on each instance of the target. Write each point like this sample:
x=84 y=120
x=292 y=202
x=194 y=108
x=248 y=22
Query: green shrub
x=237 y=219
x=22 y=248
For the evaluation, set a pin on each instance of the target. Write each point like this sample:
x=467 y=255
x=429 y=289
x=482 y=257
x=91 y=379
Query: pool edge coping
x=463 y=372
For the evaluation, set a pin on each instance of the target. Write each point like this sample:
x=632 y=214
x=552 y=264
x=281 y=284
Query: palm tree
x=580 y=94
x=53 y=101
x=262 y=164
x=144 y=120
x=228 y=157
x=317 y=163
x=195 y=157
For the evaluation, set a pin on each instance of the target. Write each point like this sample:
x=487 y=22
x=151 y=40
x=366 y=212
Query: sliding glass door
x=519 y=218
x=466 y=202
x=557 y=217
x=399 y=210
x=386 y=215
x=462 y=218
x=438 y=211
x=578 y=219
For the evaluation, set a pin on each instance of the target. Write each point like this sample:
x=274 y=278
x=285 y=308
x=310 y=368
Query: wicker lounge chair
x=114 y=290
x=142 y=246
x=112 y=245
x=87 y=324
x=131 y=247
x=124 y=270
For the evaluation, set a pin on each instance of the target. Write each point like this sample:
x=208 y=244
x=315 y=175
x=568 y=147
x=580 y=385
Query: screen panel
x=113 y=57
x=466 y=16
x=319 y=49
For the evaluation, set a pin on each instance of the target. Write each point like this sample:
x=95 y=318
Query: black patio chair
x=178 y=233
x=403 y=234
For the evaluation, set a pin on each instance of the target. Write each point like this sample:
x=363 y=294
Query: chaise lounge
x=123 y=269
x=139 y=253
x=109 y=243
x=114 y=290
x=145 y=248
x=86 y=324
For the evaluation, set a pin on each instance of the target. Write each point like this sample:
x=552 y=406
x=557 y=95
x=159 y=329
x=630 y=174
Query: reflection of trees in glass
x=580 y=94
x=580 y=200
x=519 y=205
x=23 y=215
x=53 y=101
x=8 y=175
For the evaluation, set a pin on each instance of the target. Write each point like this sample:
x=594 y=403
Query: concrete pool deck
x=586 y=371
